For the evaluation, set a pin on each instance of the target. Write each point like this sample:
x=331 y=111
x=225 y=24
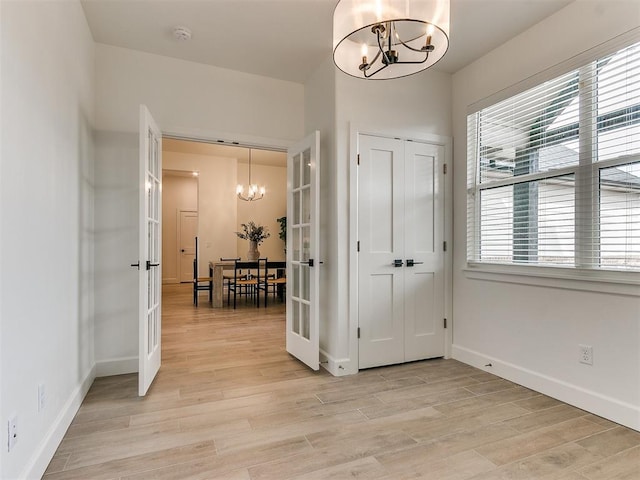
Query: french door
x=150 y=251
x=401 y=257
x=303 y=274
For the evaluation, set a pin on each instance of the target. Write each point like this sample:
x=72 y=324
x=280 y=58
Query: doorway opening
x=200 y=199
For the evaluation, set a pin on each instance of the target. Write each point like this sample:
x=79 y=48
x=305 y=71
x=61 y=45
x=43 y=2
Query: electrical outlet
x=586 y=354
x=12 y=432
x=41 y=397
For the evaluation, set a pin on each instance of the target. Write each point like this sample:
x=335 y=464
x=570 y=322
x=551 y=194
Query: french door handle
x=308 y=262
x=136 y=265
x=149 y=264
x=411 y=262
x=397 y=262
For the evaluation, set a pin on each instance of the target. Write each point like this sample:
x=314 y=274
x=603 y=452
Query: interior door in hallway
x=401 y=258
x=187 y=231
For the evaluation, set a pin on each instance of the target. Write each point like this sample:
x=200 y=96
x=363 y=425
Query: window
x=554 y=172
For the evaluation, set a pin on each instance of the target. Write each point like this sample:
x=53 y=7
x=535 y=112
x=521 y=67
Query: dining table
x=216 y=271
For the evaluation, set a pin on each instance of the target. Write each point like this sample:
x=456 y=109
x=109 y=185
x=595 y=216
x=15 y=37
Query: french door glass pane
x=296 y=243
x=305 y=295
x=296 y=171
x=306 y=243
x=306 y=205
x=306 y=167
x=296 y=317
x=296 y=281
x=296 y=208
x=305 y=321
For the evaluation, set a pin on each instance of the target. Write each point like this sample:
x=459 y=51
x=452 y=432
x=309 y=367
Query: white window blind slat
x=554 y=172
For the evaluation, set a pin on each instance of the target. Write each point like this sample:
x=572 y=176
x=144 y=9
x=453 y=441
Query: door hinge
x=445 y=323
x=358 y=246
x=444 y=168
x=358 y=332
x=444 y=246
x=358 y=159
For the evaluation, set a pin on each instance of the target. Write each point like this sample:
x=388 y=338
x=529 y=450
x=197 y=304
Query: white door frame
x=354 y=131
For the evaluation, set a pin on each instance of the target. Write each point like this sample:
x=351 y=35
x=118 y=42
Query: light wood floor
x=230 y=403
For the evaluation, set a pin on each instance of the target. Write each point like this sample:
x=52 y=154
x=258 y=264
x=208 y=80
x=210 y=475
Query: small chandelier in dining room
x=384 y=39
x=254 y=192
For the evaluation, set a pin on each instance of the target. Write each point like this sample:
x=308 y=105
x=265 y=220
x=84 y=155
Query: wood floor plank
x=230 y=403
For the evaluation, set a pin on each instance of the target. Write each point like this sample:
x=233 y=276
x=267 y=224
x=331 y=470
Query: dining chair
x=273 y=279
x=247 y=275
x=227 y=277
x=200 y=283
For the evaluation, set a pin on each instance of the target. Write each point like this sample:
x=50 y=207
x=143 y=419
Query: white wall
x=116 y=282
x=531 y=333
x=196 y=100
x=46 y=207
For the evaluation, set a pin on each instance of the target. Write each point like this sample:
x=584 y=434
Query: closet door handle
x=411 y=262
x=397 y=262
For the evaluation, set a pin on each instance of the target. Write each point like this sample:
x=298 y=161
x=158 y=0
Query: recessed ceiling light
x=182 y=33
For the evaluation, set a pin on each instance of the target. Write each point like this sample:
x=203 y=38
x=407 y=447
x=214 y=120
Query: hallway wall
x=47 y=226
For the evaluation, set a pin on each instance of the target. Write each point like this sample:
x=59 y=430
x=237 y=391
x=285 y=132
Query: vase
x=253 y=254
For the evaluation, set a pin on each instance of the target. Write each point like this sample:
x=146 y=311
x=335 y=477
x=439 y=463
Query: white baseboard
x=615 y=410
x=337 y=367
x=49 y=444
x=117 y=366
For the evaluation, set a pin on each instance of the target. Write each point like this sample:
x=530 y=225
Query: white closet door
x=424 y=226
x=401 y=257
x=381 y=237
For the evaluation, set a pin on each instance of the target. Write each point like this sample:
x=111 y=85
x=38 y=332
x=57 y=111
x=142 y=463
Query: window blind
x=554 y=172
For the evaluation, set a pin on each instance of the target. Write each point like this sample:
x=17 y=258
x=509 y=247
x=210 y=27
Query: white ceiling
x=287 y=39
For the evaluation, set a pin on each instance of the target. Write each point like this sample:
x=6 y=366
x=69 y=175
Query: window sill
x=620 y=283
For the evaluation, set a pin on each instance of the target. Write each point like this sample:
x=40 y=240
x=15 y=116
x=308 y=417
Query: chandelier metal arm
x=364 y=71
x=386 y=60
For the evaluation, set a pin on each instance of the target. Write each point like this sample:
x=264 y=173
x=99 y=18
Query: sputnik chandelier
x=254 y=192
x=383 y=39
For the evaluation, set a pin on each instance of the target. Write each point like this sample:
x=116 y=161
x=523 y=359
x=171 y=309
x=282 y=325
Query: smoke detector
x=182 y=33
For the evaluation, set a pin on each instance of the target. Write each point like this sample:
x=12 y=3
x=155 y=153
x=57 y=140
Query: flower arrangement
x=253 y=233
